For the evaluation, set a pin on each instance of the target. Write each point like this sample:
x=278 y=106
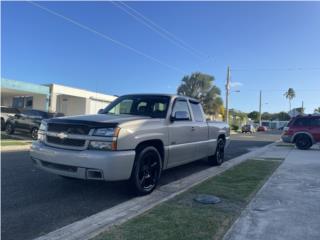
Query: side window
x=315 y=122
x=302 y=122
x=197 y=112
x=181 y=105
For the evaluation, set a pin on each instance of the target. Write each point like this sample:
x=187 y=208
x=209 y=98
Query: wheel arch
x=157 y=143
x=302 y=133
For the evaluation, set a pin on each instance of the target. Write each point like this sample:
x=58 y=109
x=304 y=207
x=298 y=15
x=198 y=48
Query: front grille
x=66 y=141
x=69 y=128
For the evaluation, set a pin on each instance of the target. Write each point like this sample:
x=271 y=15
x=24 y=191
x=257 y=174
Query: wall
x=70 y=105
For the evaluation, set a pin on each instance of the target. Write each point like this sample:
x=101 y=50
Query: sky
x=99 y=46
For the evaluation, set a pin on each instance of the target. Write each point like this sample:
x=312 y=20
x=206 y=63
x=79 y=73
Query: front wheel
x=218 y=158
x=146 y=170
x=9 y=128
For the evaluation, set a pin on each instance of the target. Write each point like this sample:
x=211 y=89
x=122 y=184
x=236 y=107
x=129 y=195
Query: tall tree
x=317 y=110
x=290 y=94
x=201 y=86
x=254 y=115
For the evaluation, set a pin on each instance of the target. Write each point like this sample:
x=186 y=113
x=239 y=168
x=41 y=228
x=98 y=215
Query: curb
x=15 y=148
x=91 y=226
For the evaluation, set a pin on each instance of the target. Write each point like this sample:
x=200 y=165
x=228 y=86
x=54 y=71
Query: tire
x=303 y=142
x=218 y=158
x=3 y=125
x=34 y=133
x=9 y=128
x=146 y=170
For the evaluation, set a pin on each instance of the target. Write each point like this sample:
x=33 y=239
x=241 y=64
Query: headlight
x=100 y=145
x=106 y=132
x=43 y=126
x=42 y=130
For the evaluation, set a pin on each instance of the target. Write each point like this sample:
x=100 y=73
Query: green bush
x=235 y=127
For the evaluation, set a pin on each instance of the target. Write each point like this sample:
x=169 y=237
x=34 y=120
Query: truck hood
x=98 y=118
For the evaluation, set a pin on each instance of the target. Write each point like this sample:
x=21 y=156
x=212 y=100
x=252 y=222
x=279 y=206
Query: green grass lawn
x=183 y=218
x=7 y=140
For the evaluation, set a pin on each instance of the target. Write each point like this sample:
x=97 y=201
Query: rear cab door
x=200 y=134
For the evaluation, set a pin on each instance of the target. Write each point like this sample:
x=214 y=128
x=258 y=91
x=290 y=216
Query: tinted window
x=315 y=122
x=302 y=122
x=181 y=105
x=9 y=110
x=197 y=112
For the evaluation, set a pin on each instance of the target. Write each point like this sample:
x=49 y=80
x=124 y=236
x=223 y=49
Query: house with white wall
x=52 y=97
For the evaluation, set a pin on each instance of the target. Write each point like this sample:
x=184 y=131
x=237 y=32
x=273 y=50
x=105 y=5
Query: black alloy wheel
x=9 y=128
x=303 y=142
x=147 y=170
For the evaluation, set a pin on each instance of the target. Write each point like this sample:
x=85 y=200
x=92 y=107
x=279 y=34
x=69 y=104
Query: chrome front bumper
x=85 y=164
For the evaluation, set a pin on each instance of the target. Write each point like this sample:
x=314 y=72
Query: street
x=36 y=202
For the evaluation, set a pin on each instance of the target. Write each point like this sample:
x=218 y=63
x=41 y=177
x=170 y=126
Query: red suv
x=304 y=131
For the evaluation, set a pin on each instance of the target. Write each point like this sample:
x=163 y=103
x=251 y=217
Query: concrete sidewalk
x=288 y=206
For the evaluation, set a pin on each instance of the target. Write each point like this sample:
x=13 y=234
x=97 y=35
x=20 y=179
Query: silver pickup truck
x=134 y=138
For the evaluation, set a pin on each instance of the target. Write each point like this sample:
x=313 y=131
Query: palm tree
x=290 y=94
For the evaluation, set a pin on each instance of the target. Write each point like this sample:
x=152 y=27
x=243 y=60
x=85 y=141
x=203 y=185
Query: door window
x=181 y=105
x=197 y=112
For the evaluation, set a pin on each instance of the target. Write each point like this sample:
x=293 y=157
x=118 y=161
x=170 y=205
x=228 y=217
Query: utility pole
x=302 y=109
x=260 y=108
x=227 y=94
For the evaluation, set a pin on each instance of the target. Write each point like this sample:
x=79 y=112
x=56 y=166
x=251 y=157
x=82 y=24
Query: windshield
x=145 y=105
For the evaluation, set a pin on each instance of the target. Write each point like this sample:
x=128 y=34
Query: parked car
x=262 y=129
x=304 y=131
x=248 y=128
x=28 y=120
x=7 y=112
x=134 y=138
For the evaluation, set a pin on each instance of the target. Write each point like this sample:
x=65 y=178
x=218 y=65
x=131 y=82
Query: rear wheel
x=146 y=170
x=9 y=128
x=303 y=142
x=218 y=158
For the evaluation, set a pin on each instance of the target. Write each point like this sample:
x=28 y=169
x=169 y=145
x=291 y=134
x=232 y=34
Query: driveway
x=36 y=202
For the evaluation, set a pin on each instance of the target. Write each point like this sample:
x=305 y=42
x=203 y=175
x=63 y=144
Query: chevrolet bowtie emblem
x=62 y=135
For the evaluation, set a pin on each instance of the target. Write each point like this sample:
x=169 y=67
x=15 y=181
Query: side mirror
x=180 y=116
x=100 y=111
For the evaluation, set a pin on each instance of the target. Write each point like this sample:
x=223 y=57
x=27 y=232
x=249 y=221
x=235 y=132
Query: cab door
x=200 y=135
x=181 y=128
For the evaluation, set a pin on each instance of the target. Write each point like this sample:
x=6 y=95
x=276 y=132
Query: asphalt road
x=34 y=202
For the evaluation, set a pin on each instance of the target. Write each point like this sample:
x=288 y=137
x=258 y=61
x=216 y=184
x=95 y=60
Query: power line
x=153 y=28
x=149 y=22
x=278 y=69
x=85 y=27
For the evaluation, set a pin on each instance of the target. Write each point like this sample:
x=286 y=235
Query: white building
x=52 y=97
x=74 y=101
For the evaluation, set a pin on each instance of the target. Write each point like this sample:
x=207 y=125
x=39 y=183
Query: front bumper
x=86 y=164
x=286 y=138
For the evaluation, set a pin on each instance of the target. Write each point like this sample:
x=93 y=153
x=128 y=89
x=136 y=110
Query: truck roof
x=162 y=94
